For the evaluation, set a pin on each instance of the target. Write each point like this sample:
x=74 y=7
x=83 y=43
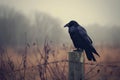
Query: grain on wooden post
x=76 y=65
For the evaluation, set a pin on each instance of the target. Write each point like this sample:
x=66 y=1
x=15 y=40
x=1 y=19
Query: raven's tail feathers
x=89 y=55
x=94 y=51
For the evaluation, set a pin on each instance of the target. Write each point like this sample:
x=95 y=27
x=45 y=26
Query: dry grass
x=45 y=63
x=32 y=63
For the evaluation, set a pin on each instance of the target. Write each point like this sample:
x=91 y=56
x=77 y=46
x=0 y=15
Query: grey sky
x=86 y=12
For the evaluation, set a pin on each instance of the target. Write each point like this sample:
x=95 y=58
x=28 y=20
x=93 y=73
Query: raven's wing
x=84 y=35
x=87 y=40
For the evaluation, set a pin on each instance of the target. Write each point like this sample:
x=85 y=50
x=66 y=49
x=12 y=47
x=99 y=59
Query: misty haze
x=16 y=27
x=35 y=45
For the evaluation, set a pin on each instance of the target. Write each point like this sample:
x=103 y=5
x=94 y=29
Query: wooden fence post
x=76 y=65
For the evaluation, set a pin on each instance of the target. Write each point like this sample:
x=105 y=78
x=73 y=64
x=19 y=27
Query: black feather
x=89 y=55
x=81 y=40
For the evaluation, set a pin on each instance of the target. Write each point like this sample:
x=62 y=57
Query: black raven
x=81 y=40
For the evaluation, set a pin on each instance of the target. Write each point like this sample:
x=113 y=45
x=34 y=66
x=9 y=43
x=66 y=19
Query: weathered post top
x=76 y=65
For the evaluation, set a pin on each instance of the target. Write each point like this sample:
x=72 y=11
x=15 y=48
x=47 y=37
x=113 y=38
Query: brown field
x=51 y=63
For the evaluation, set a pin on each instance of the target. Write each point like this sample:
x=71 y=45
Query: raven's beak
x=66 y=25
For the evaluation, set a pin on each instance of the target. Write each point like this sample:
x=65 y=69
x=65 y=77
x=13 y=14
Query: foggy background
x=37 y=21
x=16 y=28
